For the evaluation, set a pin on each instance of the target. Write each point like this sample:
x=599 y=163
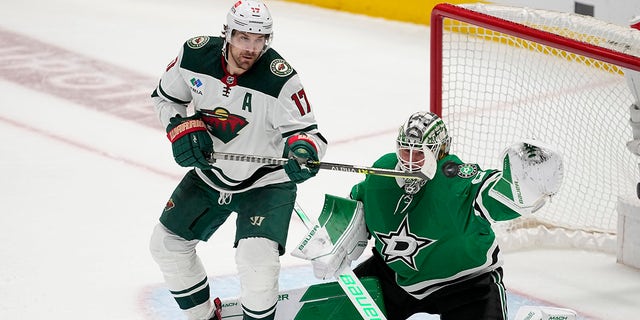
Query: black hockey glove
x=192 y=146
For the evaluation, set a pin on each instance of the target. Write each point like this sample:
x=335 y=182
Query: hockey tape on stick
x=349 y=282
x=426 y=173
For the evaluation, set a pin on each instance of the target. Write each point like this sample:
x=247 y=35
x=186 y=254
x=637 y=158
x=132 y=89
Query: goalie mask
x=252 y=17
x=423 y=130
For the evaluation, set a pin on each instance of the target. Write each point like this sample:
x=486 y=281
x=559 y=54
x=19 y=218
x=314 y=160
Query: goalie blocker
x=338 y=239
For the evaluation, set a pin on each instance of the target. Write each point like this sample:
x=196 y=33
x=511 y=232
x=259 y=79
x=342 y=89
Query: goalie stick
x=427 y=172
x=349 y=282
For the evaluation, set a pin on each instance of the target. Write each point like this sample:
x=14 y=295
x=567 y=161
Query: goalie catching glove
x=336 y=240
x=192 y=146
x=532 y=172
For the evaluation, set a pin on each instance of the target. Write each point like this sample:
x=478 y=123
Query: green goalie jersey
x=440 y=235
x=253 y=113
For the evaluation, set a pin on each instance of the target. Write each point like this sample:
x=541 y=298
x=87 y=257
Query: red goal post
x=500 y=74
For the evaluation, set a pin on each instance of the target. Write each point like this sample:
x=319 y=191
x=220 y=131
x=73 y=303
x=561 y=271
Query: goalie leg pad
x=258 y=262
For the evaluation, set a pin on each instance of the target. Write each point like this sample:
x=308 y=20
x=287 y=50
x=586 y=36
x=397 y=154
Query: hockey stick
x=349 y=282
x=427 y=172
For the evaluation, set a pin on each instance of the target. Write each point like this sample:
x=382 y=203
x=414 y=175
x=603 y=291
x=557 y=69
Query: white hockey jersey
x=253 y=113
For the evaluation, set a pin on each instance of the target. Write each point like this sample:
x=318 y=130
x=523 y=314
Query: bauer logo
x=308 y=237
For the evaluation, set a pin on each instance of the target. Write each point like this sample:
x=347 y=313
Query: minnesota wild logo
x=197 y=42
x=170 y=205
x=280 y=68
x=222 y=124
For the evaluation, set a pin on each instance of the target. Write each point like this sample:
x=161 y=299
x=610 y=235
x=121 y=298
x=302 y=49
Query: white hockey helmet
x=423 y=130
x=249 y=16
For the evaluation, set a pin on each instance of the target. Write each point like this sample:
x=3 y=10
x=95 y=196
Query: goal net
x=500 y=74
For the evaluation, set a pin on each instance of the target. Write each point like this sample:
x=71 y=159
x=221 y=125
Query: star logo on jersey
x=222 y=124
x=402 y=245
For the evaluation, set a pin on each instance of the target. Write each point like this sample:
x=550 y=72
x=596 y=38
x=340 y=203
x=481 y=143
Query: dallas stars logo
x=402 y=245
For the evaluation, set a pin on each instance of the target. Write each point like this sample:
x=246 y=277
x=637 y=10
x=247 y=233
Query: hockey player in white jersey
x=246 y=99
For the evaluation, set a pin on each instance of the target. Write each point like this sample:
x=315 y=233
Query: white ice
x=82 y=189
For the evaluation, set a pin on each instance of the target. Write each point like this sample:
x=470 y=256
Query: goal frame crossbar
x=445 y=10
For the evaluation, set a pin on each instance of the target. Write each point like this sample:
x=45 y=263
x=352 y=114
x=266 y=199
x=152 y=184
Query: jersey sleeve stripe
x=166 y=96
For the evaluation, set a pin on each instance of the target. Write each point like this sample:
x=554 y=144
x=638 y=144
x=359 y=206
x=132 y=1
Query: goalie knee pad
x=258 y=261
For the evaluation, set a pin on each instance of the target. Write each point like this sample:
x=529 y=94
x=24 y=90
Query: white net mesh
x=498 y=89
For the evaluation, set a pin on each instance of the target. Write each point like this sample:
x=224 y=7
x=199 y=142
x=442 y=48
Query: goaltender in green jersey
x=435 y=251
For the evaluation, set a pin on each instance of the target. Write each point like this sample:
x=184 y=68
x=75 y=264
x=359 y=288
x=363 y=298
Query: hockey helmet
x=249 y=16
x=423 y=130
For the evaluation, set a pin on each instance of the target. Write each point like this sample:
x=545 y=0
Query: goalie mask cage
x=500 y=74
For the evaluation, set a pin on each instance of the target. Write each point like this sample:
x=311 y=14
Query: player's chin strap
x=427 y=172
x=349 y=282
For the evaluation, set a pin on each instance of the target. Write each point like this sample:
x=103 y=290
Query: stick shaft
x=322 y=165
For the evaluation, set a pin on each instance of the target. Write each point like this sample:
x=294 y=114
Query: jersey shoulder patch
x=453 y=167
x=467 y=170
x=280 y=67
x=197 y=42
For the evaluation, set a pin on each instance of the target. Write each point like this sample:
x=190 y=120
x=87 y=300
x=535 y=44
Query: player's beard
x=244 y=59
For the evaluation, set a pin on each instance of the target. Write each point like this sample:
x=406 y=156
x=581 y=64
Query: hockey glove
x=191 y=143
x=340 y=239
x=299 y=149
x=532 y=172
